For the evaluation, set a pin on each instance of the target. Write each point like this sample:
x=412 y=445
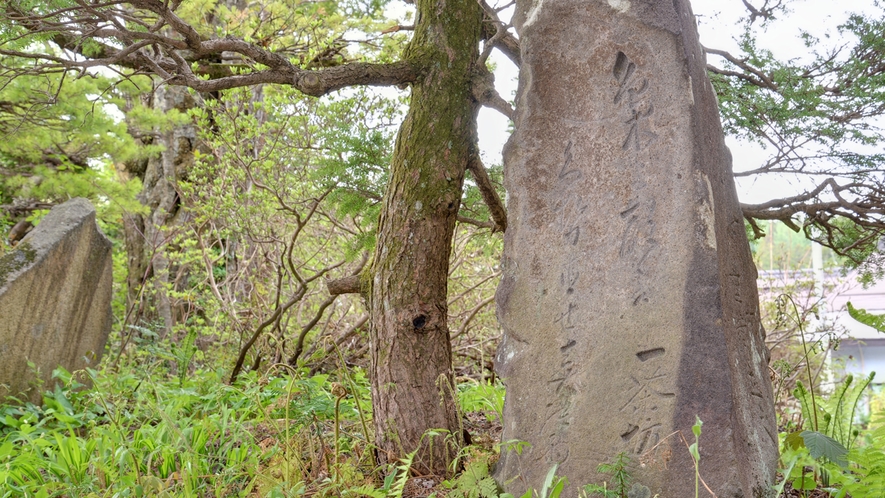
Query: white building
x=863 y=351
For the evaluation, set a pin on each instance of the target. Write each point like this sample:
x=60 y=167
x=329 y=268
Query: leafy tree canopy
x=819 y=117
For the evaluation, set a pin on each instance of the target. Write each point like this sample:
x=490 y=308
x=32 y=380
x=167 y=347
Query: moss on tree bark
x=412 y=378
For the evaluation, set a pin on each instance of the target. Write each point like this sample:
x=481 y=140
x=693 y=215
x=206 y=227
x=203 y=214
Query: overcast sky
x=718 y=27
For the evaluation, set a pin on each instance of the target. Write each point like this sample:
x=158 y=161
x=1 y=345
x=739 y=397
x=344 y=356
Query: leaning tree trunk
x=412 y=379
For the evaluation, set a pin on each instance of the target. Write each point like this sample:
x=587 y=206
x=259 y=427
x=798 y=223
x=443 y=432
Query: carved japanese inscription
x=628 y=297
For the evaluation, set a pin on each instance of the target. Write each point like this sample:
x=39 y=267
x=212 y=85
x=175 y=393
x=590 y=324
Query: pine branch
x=172 y=55
x=750 y=74
x=826 y=208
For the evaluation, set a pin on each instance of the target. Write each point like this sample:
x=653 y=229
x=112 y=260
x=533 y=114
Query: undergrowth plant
x=161 y=422
x=695 y=451
x=474 y=482
x=618 y=484
x=858 y=468
x=823 y=453
x=834 y=416
x=486 y=397
x=865 y=476
x=145 y=430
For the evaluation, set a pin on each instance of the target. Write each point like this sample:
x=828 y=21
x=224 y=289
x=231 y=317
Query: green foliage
x=866 y=476
x=869 y=319
x=396 y=481
x=553 y=485
x=61 y=120
x=794 y=356
x=799 y=102
x=146 y=432
x=619 y=483
x=827 y=445
x=475 y=482
x=860 y=249
x=822 y=446
x=695 y=452
x=833 y=416
x=781 y=248
x=314 y=34
x=826 y=453
x=473 y=276
x=283 y=191
x=356 y=138
x=483 y=397
x=817 y=116
x=62 y=139
x=472 y=204
x=795 y=464
x=184 y=353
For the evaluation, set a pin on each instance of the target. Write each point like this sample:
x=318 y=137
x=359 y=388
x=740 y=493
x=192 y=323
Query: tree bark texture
x=146 y=235
x=412 y=378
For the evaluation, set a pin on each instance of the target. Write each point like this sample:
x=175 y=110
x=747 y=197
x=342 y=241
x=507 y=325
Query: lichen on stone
x=20 y=257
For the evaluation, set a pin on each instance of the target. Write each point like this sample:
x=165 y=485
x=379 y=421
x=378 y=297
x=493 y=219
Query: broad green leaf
x=820 y=445
x=558 y=487
x=6 y=449
x=804 y=483
x=693 y=449
x=548 y=480
x=794 y=440
x=696 y=428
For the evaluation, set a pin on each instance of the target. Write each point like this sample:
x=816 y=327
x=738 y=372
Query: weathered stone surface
x=628 y=298
x=55 y=298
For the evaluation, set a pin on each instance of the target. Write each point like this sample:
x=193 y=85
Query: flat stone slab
x=55 y=299
x=628 y=298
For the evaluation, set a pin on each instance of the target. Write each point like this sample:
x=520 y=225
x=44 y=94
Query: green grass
x=150 y=430
x=145 y=432
x=147 y=429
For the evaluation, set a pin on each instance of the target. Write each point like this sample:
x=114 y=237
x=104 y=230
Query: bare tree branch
x=345 y=285
x=488 y=192
x=483 y=88
x=299 y=343
x=496 y=34
x=315 y=83
x=822 y=208
x=351 y=284
x=350 y=332
x=751 y=75
x=766 y=12
x=477 y=223
x=482 y=304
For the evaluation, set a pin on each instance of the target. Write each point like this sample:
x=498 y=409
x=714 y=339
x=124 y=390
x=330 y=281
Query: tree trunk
x=412 y=379
x=146 y=235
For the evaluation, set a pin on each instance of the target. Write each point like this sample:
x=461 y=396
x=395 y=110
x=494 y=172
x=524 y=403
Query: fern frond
x=365 y=490
x=404 y=467
x=841 y=407
x=487 y=488
x=802 y=394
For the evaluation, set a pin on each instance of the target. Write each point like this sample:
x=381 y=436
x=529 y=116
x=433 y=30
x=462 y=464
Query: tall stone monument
x=55 y=298
x=628 y=298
